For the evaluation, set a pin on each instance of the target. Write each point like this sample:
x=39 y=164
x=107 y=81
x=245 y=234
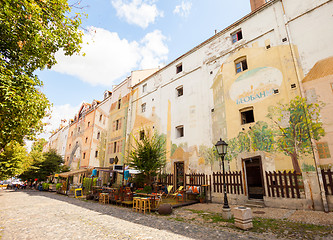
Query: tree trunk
x=295 y=163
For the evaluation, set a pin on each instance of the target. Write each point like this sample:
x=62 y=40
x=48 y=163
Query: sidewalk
x=303 y=216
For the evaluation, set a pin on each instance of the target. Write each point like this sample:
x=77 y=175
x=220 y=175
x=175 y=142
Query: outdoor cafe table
x=151 y=197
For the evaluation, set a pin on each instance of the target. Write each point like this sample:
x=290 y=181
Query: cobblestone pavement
x=44 y=215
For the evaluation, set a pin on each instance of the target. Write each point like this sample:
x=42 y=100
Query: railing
x=328 y=181
x=283 y=184
x=234 y=182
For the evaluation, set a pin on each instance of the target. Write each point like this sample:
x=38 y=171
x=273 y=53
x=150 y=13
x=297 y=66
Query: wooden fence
x=195 y=179
x=166 y=179
x=234 y=182
x=328 y=181
x=283 y=184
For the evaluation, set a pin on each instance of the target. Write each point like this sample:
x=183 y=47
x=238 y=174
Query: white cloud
x=108 y=58
x=183 y=9
x=154 y=50
x=137 y=12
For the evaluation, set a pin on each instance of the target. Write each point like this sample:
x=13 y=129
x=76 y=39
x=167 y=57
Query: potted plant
x=201 y=197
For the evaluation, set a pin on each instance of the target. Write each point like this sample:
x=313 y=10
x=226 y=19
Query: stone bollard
x=243 y=218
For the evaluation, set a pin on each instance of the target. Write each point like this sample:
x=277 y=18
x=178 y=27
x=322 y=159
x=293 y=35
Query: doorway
x=179 y=173
x=254 y=178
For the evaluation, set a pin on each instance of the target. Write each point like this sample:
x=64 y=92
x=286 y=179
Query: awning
x=131 y=171
x=71 y=173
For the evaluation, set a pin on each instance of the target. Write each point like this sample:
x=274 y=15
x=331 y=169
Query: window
x=84 y=155
x=241 y=65
x=236 y=36
x=96 y=153
x=72 y=133
x=69 y=145
x=323 y=150
x=88 y=124
x=79 y=129
x=86 y=139
x=100 y=117
x=117 y=124
x=98 y=135
x=142 y=135
x=144 y=88
x=119 y=103
x=179 y=91
x=143 y=107
x=115 y=147
x=180 y=131
x=179 y=68
x=247 y=116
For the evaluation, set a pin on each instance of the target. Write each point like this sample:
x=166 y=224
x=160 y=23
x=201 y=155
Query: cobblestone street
x=44 y=215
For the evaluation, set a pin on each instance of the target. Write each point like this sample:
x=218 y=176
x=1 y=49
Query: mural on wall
x=293 y=137
x=290 y=133
x=255 y=85
x=282 y=123
x=318 y=86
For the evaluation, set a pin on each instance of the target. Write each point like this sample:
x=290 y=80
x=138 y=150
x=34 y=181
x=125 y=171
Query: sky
x=125 y=35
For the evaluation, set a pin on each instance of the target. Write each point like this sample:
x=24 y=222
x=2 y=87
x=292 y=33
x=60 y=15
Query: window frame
x=143 y=107
x=179 y=68
x=323 y=150
x=243 y=65
x=119 y=103
x=180 y=89
x=243 y=111
x=144 y=88
x=180 y=131
x=235 y=36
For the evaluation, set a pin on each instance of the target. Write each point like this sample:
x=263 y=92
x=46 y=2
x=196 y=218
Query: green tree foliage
x=13 y=160
x=294 y=138
x=209 y=154
x=259 y=138
x=237 y=145
x=32 y=31
x=149 y=155
x=44 y=165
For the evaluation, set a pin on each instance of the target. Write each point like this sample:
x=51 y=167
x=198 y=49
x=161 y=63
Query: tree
x=259 y=138
x=32 y=31
x=295 y=132
x=50 y=163
x=262 y=137
x=13 y=160
x=148 y=155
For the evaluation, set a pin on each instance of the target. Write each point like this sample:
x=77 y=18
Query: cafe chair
x=169 y=189
x=178 y=192
x=136 y=204
x=104 y=198
x=144 y=205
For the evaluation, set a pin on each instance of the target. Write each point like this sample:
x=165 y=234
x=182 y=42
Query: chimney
x=255 y=4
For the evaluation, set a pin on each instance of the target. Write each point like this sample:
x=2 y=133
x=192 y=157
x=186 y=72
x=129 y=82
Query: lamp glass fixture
x=221 y=147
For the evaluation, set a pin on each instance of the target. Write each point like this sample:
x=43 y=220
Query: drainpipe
x=296 y=66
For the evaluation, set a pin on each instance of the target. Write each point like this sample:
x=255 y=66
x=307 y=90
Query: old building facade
x=257 y=84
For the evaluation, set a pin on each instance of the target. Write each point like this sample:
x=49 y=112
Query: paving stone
x=43 y=215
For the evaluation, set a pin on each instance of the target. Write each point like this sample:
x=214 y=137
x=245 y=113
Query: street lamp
x=221 y=147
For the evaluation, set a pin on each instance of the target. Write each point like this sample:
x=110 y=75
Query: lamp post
x=221 y=147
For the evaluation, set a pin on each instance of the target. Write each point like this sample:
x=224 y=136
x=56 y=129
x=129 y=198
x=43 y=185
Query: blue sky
x=127 y=35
